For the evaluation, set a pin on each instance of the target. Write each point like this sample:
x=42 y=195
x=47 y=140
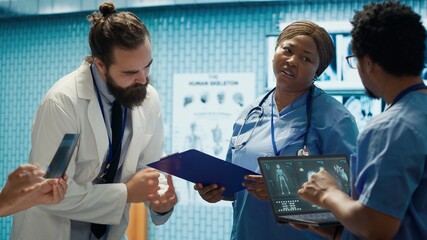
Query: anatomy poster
x=205 y=107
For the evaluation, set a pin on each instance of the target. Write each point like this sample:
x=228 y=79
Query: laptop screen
x=284 y=176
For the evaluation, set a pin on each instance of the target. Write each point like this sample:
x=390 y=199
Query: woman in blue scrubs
x=294 y=118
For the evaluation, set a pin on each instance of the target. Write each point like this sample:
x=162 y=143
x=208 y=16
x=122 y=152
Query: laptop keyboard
x=315 y=217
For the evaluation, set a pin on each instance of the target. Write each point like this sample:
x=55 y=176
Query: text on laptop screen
x=284 y=178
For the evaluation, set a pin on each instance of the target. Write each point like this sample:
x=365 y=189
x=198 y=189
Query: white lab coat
x=71 y=105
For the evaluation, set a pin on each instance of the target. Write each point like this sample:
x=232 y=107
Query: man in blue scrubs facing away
x=390 y=173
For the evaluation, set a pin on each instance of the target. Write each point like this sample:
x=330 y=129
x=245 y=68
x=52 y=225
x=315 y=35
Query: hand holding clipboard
x=198 y=167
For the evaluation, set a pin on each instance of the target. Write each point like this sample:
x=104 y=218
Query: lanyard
x=110 y=148
x=308 y=112
x=406 y=91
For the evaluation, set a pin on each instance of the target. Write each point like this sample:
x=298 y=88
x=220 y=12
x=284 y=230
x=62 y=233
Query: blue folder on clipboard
x=198 y=167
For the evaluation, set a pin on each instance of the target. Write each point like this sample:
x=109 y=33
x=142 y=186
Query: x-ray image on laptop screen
x=285 y=175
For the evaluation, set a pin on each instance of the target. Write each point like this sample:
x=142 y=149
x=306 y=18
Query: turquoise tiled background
x=36 y=51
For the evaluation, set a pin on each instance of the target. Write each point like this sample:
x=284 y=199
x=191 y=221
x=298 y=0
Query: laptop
x=284 y=176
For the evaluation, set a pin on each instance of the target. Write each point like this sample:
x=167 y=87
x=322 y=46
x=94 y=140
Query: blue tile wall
x=37 y=51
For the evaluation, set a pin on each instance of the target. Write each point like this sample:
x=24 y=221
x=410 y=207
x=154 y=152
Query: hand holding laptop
x=316 y=190
x=256 y=186
x=284 y=176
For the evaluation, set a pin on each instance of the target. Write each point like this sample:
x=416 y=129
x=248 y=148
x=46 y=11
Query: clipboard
x=198 y=167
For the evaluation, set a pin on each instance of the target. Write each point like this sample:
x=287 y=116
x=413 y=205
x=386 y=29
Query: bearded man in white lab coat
x=116 y=74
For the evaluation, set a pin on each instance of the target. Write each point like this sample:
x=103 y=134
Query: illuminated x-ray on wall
x=361 y=106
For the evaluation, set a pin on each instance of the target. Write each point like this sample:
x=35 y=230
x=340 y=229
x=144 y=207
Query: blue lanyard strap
x=308 y=112
x=273 y=142
x=110 y=148
x=406 y=91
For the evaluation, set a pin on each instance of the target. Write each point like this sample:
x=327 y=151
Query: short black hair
x=392 y=35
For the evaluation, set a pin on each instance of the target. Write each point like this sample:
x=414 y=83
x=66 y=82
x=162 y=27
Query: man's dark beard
x=129 y=97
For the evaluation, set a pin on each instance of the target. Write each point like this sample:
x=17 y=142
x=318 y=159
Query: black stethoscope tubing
x=303 y=151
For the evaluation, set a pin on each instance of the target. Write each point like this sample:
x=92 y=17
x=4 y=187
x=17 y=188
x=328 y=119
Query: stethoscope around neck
x=258 y=112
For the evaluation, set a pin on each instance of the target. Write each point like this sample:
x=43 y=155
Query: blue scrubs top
x=391 y=166
x=333 y=130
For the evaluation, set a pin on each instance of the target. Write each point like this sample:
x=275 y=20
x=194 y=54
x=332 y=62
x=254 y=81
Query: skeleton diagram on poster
x=205 y=107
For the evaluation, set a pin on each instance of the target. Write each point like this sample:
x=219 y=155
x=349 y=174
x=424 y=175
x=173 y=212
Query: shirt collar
x=300 y=101
x=102 y=86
